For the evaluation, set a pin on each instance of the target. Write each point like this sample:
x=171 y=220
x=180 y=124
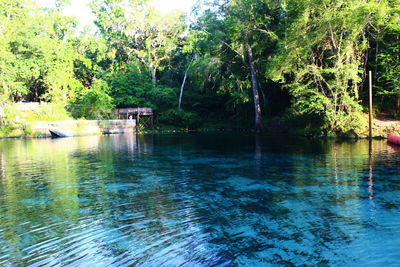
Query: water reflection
x=198 y=200
x=371 y=181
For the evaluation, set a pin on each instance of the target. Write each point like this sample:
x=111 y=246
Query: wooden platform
x=136 y=113
x=126 y=112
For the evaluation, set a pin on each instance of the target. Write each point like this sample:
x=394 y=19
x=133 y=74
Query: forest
x=238 y=64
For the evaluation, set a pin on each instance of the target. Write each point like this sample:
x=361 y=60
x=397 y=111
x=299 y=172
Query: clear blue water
x=198 y=200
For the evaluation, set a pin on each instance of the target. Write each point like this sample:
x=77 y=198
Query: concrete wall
x=82 y=127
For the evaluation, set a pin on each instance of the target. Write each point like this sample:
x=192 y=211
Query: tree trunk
x=398 y=104
x=183 y=83
x=264 y=97
x=153 y=72
x=182 y=86
x=398 y=94
x=259 y=126
x=361 y=86
x=376 y=59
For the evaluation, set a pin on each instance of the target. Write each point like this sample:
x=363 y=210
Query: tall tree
x=36 y=62
x=141 y=30
x=388 y=57
x=320 y=57
x=243 y=30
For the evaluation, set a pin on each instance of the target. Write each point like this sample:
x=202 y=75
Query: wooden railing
x=135 y=111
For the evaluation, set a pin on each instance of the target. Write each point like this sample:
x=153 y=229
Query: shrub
x=164 y=98
x=180 y=118
x=93 y=103
x=6 y=130
x=44 y=112
x=48 y=112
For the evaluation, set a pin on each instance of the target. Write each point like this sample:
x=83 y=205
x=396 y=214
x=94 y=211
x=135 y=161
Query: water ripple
x=148 y=201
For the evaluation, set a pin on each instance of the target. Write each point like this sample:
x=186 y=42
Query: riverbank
x=381 y=128
x=41 y=129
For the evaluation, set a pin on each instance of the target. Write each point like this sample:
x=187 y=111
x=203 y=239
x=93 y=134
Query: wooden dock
x=136 y=113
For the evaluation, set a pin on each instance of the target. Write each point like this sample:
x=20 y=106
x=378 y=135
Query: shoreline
x=41 y=129
x=135 y=130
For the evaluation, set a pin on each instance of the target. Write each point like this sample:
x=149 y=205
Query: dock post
x=370 y=105
x=137 y=121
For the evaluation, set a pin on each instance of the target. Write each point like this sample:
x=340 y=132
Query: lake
x=198 y=200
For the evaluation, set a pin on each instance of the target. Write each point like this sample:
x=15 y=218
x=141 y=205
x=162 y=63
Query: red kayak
x=394 y=138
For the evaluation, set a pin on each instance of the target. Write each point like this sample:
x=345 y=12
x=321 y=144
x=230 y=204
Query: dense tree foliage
x=242 y=61
x=36 y=58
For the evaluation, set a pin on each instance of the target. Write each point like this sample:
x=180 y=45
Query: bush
x=164 y=98
x=93 y=103
x=130 y=88
x=180 y=118
x=44 y=112
x=338 y=123
x=48 y=112
x=6 y=130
